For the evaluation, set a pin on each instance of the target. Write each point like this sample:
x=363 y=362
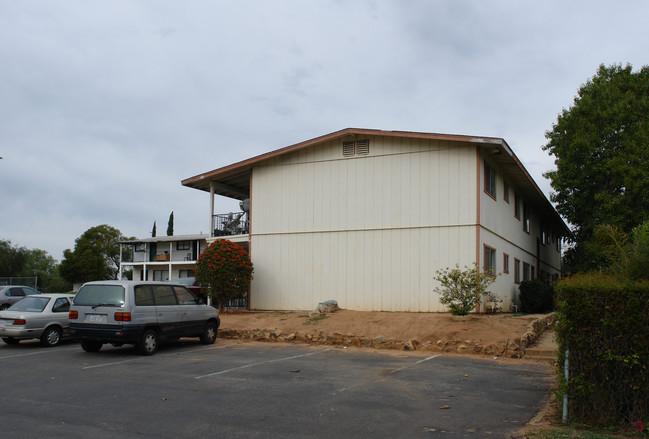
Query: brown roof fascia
x=331 y=136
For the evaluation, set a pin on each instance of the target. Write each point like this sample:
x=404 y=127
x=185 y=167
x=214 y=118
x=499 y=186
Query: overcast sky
x=105 y=106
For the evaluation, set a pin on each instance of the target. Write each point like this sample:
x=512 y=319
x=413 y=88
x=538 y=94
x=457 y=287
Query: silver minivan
x=140 y=313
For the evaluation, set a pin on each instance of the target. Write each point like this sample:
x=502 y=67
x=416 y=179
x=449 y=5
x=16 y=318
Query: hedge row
x=604 y=322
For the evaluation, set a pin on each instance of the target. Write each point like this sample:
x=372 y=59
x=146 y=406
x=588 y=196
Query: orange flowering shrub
x=224 y=271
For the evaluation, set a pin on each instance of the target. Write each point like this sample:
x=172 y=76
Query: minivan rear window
x=104 y=295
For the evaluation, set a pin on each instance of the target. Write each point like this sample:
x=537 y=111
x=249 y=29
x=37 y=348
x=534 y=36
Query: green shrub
x=536 y=296
x=461 y=289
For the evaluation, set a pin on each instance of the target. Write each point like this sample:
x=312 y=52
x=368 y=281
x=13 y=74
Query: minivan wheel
x=91 y=345
x=3 y=307
x=51 y=336
x=148 y=344
x=209 y=333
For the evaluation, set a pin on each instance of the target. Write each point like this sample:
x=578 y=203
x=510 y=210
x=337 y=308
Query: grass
x=315 y=319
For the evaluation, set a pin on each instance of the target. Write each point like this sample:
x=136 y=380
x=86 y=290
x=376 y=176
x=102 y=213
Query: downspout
x=477 y=225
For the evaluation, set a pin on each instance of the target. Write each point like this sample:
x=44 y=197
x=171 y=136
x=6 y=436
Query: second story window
x=517 y=207
x=489 y=180
x=183 y=245
x=526 y=218
x=506 y=192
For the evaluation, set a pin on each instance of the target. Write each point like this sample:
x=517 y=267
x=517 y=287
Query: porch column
x=211 y=232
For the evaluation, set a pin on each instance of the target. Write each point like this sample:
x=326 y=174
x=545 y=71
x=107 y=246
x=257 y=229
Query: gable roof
x=233 y=181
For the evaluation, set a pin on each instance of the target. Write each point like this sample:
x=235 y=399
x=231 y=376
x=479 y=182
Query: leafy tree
x=12 y=259
x=601 y=150
x=224 y=270
x=23 y=262
x=461 y=289
x=170 y=225
x=95 y=255
x=622 y=254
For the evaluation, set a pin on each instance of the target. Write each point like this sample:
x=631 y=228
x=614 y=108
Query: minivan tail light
x=20 y=322
x=73 y=315
x=122 y=316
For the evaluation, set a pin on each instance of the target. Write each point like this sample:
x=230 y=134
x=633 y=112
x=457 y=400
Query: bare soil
x=483 y=329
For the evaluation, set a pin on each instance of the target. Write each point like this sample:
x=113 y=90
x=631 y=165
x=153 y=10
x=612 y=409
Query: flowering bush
x=461 y=289
x=224 y=270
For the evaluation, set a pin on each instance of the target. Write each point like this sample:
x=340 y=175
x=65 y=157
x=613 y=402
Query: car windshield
x=100 y=295
x=31 y=304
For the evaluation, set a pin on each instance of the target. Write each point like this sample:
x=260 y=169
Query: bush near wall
x=536 y=296
x=604 y=322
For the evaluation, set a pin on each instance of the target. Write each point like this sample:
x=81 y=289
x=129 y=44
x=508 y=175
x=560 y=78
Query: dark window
x=61 y=305
x=184 y=296
x=489 y=180
x=517 y=207
x=160 y=275
x=489 y=260
x=527 y=271
x=164 y=295
x=16 y=292
x=505 y=263
x=517 y=271
x=144 y=295
x=183 y=245
x=506 y=192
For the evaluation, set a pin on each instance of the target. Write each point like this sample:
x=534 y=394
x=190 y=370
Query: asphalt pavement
x=254 y=390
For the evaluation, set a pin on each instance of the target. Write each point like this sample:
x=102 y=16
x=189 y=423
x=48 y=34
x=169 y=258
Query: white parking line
x=416 y=363
x=50 y=351
x=260 y=363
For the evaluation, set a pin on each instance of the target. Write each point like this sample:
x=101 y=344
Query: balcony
x=229 y=224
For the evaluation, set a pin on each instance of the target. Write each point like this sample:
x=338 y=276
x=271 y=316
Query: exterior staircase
x=544 y=350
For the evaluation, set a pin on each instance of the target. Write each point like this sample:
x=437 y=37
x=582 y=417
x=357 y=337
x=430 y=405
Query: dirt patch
x=488 y=334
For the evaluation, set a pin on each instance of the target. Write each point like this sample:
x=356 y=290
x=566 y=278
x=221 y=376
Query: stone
x=327 y=307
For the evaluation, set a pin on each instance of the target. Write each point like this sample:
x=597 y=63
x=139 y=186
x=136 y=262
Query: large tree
x=95 y=255
x=601 y=150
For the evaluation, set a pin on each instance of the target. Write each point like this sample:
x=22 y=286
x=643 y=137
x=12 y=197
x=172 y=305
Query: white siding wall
x=368 y=231
x=504 y=232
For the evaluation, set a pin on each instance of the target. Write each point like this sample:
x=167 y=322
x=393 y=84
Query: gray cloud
x=106 y=106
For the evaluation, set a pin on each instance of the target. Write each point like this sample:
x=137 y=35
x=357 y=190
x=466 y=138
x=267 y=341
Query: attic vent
x=363 y=147
x=358 y=147
x=348 y=149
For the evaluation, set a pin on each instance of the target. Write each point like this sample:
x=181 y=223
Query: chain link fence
x=27 y=281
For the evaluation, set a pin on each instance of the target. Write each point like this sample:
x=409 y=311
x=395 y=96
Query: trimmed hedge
x=604 y=322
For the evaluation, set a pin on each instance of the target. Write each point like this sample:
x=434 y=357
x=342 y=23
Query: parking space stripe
x=259 y=364
x=415 y=363
x=48 y=351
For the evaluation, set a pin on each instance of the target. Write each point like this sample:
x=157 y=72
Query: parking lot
x=254 y=390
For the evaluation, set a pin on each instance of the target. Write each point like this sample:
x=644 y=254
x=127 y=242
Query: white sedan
x=42 y=316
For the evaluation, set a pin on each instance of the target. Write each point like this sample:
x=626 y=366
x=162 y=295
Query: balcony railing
x=228 y=224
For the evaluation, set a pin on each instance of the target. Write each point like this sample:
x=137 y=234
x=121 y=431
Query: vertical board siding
x=367 y=231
